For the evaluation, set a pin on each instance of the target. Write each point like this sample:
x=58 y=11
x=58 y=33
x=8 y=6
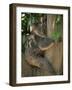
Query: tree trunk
x=55 y=53
x=50 y=24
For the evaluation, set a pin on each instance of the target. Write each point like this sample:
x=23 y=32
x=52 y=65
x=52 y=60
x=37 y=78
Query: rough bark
x=50 y=24
x=55 y=55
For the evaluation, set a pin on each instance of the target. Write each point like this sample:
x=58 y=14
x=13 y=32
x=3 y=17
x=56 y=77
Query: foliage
x=56 y=35
x=28 y=19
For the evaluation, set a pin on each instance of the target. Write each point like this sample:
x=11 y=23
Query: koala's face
x=33 y=28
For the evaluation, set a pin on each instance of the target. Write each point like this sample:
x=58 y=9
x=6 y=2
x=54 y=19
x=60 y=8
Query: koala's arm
x=46 y=48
